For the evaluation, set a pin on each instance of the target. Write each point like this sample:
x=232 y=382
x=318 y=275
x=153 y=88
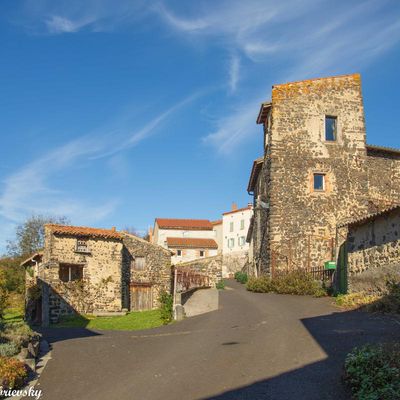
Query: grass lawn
x=15 y=314
x=132 y=321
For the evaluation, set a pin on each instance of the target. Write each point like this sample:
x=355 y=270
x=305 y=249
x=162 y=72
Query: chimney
x=250 y=205
x=113 y=228
x=234 y=206
x=150 y=232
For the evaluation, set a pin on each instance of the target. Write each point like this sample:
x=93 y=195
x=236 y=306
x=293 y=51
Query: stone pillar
x=45 y=304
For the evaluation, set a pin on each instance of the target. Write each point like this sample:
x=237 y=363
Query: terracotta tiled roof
x=188 y=224
x=217 y=222
x=238 y=210
x=84 y=231
x=193 y=243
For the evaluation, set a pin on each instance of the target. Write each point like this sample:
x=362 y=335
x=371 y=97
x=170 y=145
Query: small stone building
x=372 y=250
x=89 y=270
x=316 y=171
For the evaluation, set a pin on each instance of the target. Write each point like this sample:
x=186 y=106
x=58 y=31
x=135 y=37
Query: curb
x=43 y=358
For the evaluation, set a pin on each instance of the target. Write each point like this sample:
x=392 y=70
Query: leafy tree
x=3 y=294
x=29 y=236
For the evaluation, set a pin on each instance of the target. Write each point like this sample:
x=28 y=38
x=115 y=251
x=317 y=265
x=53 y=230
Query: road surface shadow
x=337 y=334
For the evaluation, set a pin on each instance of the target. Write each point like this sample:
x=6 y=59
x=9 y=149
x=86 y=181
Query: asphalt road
x=256 y=346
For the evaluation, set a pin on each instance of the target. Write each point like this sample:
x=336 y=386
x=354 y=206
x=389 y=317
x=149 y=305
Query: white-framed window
x=179 y=253
x=69 y=273
x=241 y=224
x=82 y=246
x=242 y=241
x=330 y=128
x=319 y=182
x=139 y=263
x=202 y=253
x=231 y=227
x=231 y=243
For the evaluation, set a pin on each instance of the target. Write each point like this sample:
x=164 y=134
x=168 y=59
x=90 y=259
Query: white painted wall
x=218 y=236
x=160 y=235
x=191 y=254
x=235 y=231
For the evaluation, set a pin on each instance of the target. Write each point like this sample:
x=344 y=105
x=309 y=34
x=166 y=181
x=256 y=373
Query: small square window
x=242 y=241
x=82 y=246
x=201 y=253
x=319 y=182
x=231 y=243
x=330 y=128
x=179 y=253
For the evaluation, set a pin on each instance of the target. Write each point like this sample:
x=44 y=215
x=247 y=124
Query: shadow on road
x=337 y=334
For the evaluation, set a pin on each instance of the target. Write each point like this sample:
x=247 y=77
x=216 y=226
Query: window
x=201 y=253
x=330 y=128
x=231 y=243
x=139 y=263
x=242 y=241
x=179 y=253
x=231 y=227
x=319 y=182
x=242 y=224
x=82 y=246
x=69 y=273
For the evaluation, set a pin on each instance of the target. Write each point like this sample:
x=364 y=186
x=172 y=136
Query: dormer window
x=82 y=246
x=330 y=128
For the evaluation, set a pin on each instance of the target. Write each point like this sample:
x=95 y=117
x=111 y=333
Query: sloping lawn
x=13 y=315
x=132 y=321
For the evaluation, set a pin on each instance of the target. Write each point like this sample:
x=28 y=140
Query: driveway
x=256 y=346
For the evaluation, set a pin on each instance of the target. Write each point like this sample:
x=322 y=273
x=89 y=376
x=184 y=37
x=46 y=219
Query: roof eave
x=263 y=113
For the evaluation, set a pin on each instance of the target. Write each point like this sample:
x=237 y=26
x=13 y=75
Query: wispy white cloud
x=302 y=39
x=234 y=73
x=34 y=190
x=56 y=24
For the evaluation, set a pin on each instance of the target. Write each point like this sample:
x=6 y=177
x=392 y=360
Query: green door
x=342 y=269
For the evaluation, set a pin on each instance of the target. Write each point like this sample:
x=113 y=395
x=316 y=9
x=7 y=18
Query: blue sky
x=114 y=113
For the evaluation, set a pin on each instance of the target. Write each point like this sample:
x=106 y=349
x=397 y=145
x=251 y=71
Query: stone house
x=90 y=270
x=188 y=239
x=372 y=248
x=316 y=172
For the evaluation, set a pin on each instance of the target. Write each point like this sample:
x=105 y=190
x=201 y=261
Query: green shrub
x=19 y=333
x=390 y=302
x=166 y=307
x=12 y=373
x=8 y=349
x=220 y=285
x=373 y=372
x=241 y=277
x=295 y=282
x=263 y=284
x=3 y=294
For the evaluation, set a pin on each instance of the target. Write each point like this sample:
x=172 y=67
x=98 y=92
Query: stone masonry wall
x=383 y=170
x=210 y=266
x=101 y=290
x=157 y=272
x=302 y=222
x=233 y=262
x=373 y=251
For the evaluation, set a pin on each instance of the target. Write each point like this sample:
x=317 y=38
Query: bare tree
x=29 y=236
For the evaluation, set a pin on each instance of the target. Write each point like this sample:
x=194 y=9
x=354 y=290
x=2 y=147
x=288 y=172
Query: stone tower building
x=316 y=172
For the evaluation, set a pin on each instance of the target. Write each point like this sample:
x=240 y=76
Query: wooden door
x=341 y=269
x=141 y=298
